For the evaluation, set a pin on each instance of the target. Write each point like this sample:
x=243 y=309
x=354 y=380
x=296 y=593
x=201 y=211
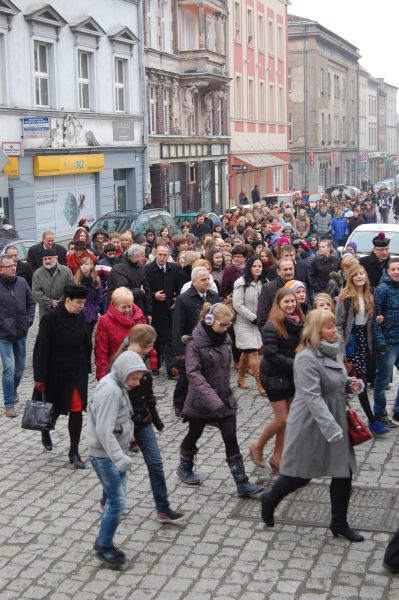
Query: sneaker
x=10 y=411
x=395 y=417
x=170 y=516
x=101 y=508
x=383 y=418
x=111 y=555
x=378 y=428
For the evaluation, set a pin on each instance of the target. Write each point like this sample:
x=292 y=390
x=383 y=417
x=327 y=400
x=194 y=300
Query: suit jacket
x=186 y=315
x=167 y=282
x=35 y=255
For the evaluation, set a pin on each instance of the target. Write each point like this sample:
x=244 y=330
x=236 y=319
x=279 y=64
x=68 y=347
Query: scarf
x=329 y=349
x=216 y=338
x=293 y=318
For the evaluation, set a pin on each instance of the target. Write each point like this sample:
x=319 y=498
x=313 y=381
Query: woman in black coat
x=280 y=336
x=61 y=364
x=326 y=260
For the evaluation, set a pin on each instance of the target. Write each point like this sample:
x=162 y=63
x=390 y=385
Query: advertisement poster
x=61 y=206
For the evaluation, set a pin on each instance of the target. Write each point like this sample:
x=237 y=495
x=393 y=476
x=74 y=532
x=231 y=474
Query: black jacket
x=35 y=255
x=17 y=309
x=144 y=403
x=320 y=269
x=186 y=315
x=132 y=276
x=200 y=230
x=24 y=270
x=266 y=299
x=160 y=281
x=374 y=268
x=301 y=273
x=61 y=357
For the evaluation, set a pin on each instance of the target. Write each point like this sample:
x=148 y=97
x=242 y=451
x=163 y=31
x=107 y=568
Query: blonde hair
x=350 y=290
x=348 y=261
x=327 y=298
x=202 y=262
x=220 y=311
x=122 y=294
x=314 y=322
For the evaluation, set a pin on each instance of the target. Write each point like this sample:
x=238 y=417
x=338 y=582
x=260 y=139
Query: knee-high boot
x=75 y=429
x=255 y=370
x=245 y=488
x=242 y=369
x=284 y=485
x=340 y=493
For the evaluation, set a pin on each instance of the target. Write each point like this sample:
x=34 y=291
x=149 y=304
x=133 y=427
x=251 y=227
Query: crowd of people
x=264 y=286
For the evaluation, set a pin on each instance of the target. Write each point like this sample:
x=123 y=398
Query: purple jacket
x=208 y=373
x=93 y=304
x=230 y=274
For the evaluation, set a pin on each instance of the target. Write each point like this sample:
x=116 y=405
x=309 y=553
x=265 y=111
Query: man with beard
x=49 y=281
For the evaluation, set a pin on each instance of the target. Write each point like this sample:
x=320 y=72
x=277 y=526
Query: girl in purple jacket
x=210 y=400
x=87 y=276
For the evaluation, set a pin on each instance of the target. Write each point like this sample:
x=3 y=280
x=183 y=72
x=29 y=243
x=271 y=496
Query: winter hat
x=73 y=290
x=217 y=222
x=49 y=252
x=294 y=285
x=380 y=241
x=283 y=240
x=276 y=227
x=352 y=245
x=303 y=243
x=274 y=239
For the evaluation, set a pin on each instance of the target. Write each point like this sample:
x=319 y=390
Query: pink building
x=258 y=100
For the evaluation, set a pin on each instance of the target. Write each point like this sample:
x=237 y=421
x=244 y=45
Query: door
x=120 y=195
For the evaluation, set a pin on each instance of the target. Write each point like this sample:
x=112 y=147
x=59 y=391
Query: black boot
x=245 y=489
x=75 y=428
x=186 y=465
x=282 y=487
x=47 y=441
x=340 y=492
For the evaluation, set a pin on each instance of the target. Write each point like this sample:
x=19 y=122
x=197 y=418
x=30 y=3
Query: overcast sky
x=371 y=26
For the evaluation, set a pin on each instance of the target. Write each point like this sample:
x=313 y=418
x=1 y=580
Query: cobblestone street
x=50 y=519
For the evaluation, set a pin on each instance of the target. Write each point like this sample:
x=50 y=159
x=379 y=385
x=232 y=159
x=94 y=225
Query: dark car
x=138 y=222
x=21 y=245
x=191 y=217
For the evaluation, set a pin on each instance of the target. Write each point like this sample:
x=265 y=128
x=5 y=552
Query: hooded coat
x=112 y=328
x=110 y=428
x=245 y=303
x=208 y=372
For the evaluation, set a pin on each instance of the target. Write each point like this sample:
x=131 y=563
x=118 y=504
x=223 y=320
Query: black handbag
x=38 y=414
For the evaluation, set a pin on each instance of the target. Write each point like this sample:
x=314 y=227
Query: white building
x=71 y=97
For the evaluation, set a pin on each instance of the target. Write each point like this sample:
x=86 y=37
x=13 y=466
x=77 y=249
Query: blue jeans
x=147 y=441
x=385 y=365
x=114 y=485
x=13 y=356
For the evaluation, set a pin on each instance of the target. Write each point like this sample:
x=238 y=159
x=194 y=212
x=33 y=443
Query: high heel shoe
x=47 y=441
x=76 y=461
x=347 y=533
x=267 y=510
x=274 y=467
x=256 y=456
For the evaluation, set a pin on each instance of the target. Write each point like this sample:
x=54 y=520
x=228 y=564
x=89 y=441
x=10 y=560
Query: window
x=2 y=72
x=323 y=129
x=280 y=43
x=83 y=80
x=237 y=20
x=343 y=130
x=211 y=33
x=329 y=84
x=290 y=138
x=120 y=84
x=152 y=24
x=281 y=111
x=329 y=129
x=219 y=116
x=250 y=27
x=336 y=127
x=322 y=82
x=152 y=121
x=272 y=103
x=353 y=131
x=238 y=96
x=261 y=101
x=289 y=79
x=277 y=178
x=336 y=87
x=251 y=99
x=165 y=21
x=41 y=59
x=166 y=109
x=343 y=88
x=261 y=32
x=270 y=40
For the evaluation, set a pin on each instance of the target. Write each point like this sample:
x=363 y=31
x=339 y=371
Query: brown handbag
x=350 y=368
x=358 y=431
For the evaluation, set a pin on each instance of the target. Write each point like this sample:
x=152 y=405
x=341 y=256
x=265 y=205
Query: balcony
x=202 y=62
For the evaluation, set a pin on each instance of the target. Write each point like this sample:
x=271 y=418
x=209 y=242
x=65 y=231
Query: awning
x=261 y=160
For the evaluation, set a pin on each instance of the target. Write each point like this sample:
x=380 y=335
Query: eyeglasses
x=224 y=325
x=8 y=266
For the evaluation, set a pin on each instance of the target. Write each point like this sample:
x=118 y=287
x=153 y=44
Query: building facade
x=390 y=139
x=323 y=106
x=187 y=103
x=71 y=112
x=258 y=99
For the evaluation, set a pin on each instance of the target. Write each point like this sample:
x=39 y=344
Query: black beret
x=73 y=290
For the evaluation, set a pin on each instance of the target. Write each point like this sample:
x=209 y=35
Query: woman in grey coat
x=317 y=442
x=245 y=302
x=210 y=400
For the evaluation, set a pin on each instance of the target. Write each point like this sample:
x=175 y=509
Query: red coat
x=112 y=328
x=73 y=261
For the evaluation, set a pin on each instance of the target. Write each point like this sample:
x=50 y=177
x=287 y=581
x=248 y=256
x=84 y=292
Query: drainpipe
x=143 y=88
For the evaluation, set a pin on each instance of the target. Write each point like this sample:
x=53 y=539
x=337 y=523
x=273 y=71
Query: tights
x=75 y=428
x=364 y=400
x=227 y=429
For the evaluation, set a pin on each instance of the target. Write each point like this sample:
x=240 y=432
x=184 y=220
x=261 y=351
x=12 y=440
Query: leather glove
x=40 y=386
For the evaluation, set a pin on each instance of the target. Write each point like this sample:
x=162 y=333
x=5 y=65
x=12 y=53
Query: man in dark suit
x=35 y=253
x=377 y=261
x=162 y=278
x=185 y=318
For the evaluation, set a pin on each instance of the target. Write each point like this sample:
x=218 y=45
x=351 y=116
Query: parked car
x=282 y=198
x=21 y=245
x=349 y=190
x=138 y=222
x=191 y=216
x=364 y=234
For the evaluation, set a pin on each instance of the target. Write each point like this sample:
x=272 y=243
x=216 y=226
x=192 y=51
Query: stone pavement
x=50 y=518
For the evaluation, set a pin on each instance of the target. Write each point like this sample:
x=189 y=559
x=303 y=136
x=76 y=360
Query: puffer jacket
x=245 y=303
x=320 y=269
x=17 y=309
x=208 y=372
x=386 y=303
x=279 y=353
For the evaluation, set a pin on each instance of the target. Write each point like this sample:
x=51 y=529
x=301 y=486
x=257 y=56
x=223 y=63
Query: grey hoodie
x=110 y=428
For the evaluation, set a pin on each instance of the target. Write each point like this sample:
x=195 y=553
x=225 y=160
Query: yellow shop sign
x=67 y=164
x=12 y=167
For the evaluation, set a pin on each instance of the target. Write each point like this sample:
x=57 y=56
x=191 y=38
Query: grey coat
x=46 y=287
x=318 y=412
x=245 y=303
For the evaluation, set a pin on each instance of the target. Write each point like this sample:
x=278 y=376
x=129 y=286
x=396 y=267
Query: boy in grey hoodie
x=110 y=431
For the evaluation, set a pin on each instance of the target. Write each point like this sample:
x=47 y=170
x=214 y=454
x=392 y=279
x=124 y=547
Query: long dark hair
x=247 y=275
x=277 y=316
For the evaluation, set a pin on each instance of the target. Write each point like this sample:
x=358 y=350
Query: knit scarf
x=329 y=349
x=216 y=338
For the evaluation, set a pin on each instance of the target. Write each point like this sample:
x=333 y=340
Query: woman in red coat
x=114 y=326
